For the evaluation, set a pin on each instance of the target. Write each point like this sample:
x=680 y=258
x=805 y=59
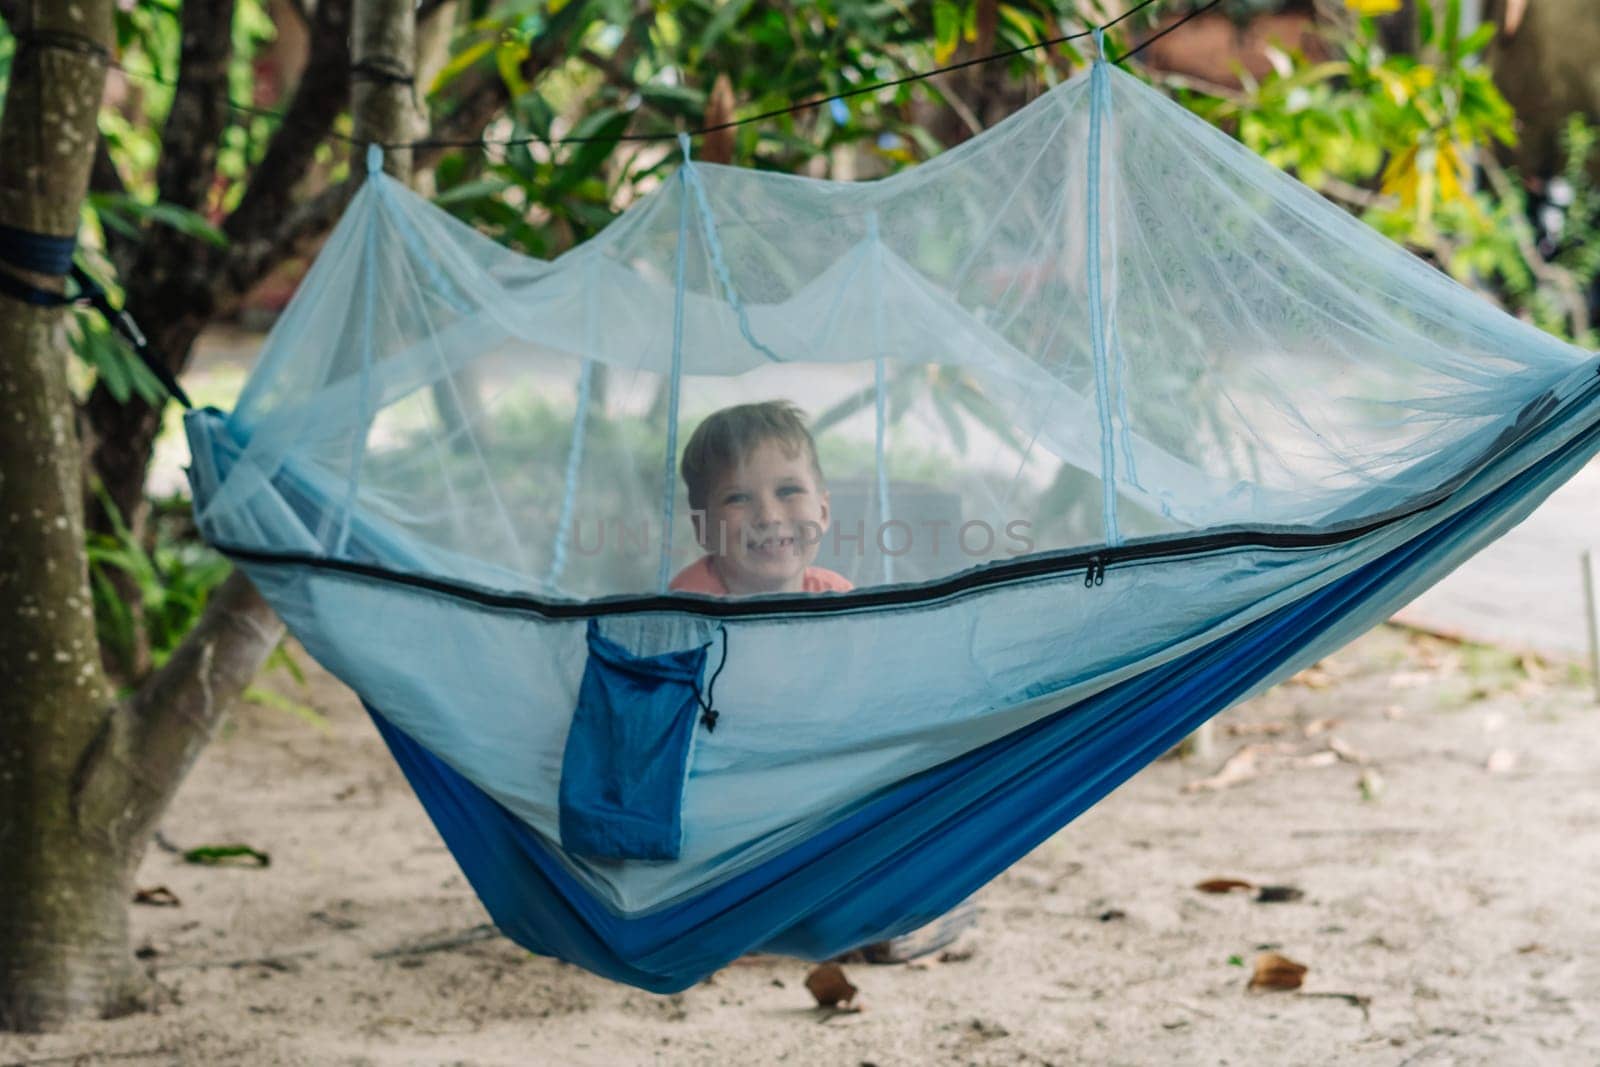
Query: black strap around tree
x=42 y=253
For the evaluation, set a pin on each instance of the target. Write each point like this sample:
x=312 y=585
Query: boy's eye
x=735 y=498
x=790 y=490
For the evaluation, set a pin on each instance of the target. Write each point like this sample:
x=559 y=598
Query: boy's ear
x=697 y=519
x=827 y=509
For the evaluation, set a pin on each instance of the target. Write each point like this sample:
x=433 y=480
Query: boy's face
x=764 y=520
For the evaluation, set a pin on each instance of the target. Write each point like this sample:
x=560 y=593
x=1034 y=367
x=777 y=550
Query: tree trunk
x=1544 y=62
x=84 y=778
x=63 y=886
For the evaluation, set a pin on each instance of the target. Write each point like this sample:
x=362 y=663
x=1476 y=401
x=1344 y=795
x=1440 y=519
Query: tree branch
x=175 y=712
x=254 y=227
x=199 y=114
x=1552 y=274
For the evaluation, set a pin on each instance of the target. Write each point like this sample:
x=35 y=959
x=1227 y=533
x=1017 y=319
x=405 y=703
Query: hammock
x=1184 y=428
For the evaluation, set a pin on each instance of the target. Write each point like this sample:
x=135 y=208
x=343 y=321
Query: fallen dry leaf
x=1371 y=784
x=1255 y=729
x=1501 y=761
x=1411 y=679
x=1325 y=758
x=1242 y=766
x=1224 y=885
x=1346 y=751
x=1279 y=894
x=1313 y=678
x=829 y=986
x=1277 y=972
x=159 y=897
x=1319 y=726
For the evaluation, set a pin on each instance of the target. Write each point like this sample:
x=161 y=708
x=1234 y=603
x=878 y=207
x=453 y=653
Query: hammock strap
x=1099 y=91
x=44 y=253
x=880 y=394
x=708 y=226
x=669 y=488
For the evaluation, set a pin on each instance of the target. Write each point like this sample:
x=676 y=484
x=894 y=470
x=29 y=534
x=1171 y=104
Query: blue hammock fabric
x=1237 y=428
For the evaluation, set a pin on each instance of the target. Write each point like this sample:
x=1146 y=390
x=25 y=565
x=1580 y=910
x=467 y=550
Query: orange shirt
x=700 y=577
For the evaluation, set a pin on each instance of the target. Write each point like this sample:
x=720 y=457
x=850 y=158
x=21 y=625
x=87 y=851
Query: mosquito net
x=1099 y=321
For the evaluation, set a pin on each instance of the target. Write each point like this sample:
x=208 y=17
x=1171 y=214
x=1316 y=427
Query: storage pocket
x=627 y=753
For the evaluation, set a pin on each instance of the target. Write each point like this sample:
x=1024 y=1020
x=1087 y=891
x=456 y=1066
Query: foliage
x=174 y=574
x=1397 y=137
x=1417 y=117
x=648 y=71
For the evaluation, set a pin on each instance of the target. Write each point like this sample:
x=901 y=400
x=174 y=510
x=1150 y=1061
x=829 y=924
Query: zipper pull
x=1100 y=577
x=1089 y=574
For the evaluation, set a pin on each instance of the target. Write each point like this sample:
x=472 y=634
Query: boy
x=760 y=510
x=759 y=504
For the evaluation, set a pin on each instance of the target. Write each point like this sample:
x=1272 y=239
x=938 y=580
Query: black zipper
x=1093 y=562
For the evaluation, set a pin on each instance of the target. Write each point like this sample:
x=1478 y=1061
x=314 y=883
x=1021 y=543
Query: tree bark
x=1544 y=62
x=63 y=894
x=84 y=778
x=383 y=97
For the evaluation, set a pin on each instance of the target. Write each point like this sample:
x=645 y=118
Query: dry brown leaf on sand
x=1277 y=972
x=1279 y=894
x=159 y=897
x=1242 y=766
x=831 y=988
x=1255 y=729
x=1346 y=751
x=1313 y=678
x=1224 y=885
x=1319 y=726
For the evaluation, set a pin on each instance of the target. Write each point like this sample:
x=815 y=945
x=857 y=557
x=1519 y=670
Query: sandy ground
x=1445 y=830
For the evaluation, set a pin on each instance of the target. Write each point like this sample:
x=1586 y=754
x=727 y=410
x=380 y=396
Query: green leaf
x=282 y=657
x=605 y=125
x=508 y=57
x=946 y=31
x=118 y=209
x=227 y=855
x=1025 y=28
x=305 y=712
x=727 y=14
x=472 y=190
x=461 y=62
x=1478 y=39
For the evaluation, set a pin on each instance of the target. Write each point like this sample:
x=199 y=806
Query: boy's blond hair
x=726 y=437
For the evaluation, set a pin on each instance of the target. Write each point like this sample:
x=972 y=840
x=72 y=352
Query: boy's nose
x=767 y=511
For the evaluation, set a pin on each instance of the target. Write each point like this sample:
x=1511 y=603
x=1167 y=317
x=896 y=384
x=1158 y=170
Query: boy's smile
x=764 y=520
